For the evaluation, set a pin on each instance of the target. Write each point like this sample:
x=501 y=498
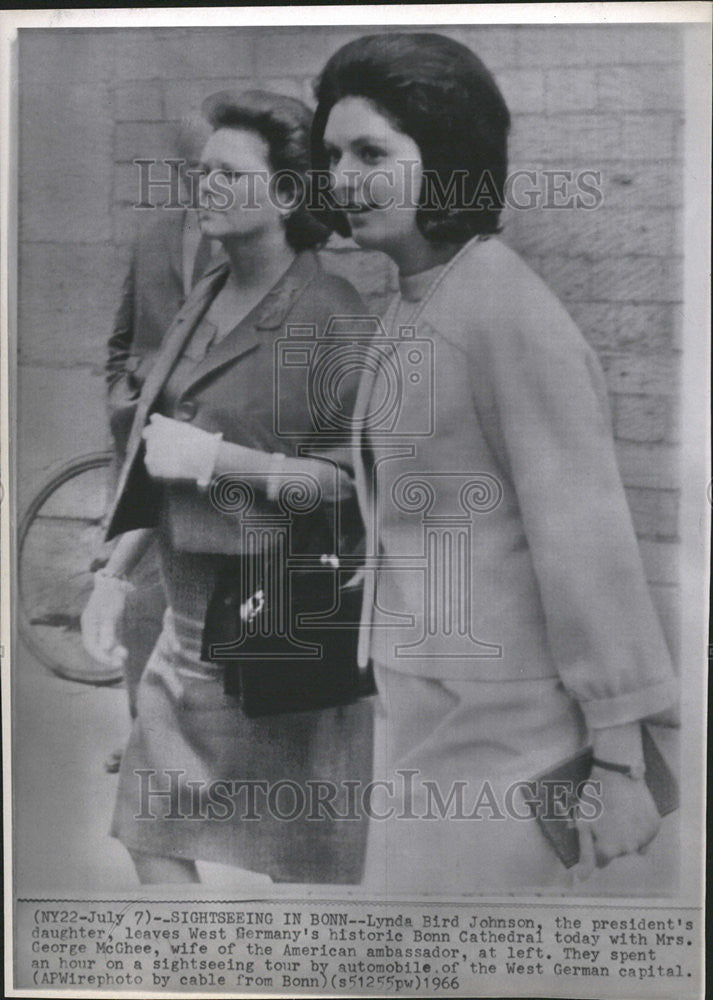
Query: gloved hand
x=102 y=617
x=178 y=450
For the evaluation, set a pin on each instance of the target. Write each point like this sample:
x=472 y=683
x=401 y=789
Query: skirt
x=450 y=818
x=201 y=781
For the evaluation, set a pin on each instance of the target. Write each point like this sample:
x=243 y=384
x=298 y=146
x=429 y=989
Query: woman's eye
x=226 y=175
x=371 y=154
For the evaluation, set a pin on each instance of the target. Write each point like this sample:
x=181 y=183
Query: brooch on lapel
x=275 y=306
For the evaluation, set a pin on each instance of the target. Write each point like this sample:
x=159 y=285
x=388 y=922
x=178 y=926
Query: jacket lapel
x=268 y=314
x=359 y=431
x=372 y=363
x=173 y=344
x=177 y=335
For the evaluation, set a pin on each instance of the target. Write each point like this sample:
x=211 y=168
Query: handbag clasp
x=251 y=608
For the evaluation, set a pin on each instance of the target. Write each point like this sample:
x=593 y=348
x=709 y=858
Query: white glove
x=102 y=618
x=176 y=449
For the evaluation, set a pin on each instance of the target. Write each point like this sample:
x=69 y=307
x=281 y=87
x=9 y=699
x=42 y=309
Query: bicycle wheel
x=59 y=545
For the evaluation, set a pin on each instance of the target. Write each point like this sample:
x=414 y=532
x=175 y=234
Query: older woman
x=197 y=772
x=511 y=623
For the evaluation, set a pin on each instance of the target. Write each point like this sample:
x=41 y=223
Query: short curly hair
x=438 y=92
x=284 y=123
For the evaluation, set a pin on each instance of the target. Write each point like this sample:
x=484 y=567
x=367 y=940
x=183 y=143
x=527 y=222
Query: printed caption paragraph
x=365 y=948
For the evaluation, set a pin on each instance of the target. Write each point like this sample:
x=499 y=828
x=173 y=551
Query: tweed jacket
x=247 y=390
x=500 y=545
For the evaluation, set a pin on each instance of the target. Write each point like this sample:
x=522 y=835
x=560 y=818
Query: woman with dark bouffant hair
x=442 y=97
x=200 y=777
x=509 y=621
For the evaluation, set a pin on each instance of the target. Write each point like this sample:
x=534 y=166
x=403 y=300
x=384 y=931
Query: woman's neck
x=258 y=261
x=421 y=255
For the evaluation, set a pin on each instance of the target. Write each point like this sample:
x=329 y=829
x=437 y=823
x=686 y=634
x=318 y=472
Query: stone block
x=568 y=89
x=656 y=136
x=64 y=158
x=67 y=298
x=497 y=45
x=138 y=101
x=624 y=326
x=60 y=414
x=642 y=374
x=654 y=512
x=47 y=56
x=184 y=97
x=569 y=142
x=643 y=418
x=649 y=466
x=144 y=140
x=523 y=90
x=640 y=88
x=627 y=184
x=293 y=51
x=594 y=45
x=636 y=279
x=180 y=53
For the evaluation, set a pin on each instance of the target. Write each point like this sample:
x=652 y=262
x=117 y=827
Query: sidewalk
x=64 y=798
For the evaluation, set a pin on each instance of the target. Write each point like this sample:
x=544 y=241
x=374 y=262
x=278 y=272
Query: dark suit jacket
x=151 y=296
x=254 y=387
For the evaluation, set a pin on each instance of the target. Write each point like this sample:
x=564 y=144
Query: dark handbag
x=287 y=636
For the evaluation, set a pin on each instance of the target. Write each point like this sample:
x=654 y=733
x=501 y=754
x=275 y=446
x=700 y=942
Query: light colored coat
x=504 y=543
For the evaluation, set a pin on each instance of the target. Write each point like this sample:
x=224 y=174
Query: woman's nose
x=211 y=190
x=346 y=179
x=203 y=188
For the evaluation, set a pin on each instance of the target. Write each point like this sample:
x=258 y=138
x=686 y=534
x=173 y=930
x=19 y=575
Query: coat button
x=186 y=410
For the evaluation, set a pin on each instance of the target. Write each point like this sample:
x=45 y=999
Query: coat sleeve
x=122 y=394
x=122 y=335
x=549 y=419
x=332 y=395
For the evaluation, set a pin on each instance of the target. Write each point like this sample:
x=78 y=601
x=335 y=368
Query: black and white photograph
x=356 y=500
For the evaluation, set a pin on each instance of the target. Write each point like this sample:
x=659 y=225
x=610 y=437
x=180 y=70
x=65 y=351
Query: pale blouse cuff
x=600 y=713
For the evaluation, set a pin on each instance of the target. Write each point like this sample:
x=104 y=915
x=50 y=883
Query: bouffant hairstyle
x=284 y=123
x=438 y=92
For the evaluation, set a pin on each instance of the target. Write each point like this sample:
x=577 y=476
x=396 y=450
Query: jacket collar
x=178 y=333
x=268 y=315
x=174 y=341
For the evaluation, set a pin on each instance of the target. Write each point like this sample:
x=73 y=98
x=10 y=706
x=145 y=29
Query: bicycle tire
x=88 y=671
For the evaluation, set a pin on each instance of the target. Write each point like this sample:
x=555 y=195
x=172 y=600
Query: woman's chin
x=366 y=230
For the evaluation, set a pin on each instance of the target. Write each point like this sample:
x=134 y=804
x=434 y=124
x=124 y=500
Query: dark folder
x=570 y=774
